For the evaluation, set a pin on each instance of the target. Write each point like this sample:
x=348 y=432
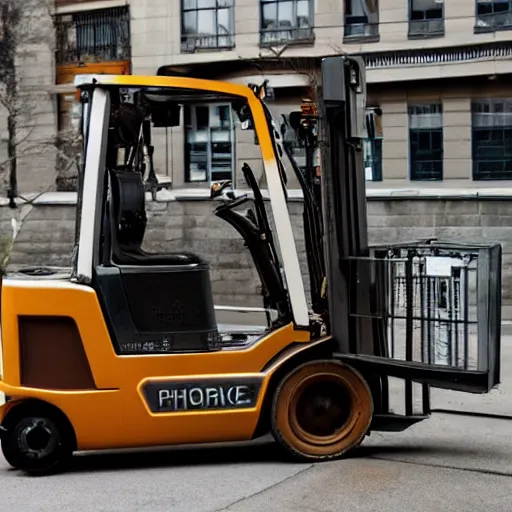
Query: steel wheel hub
x=323 y=409
x=36 y=438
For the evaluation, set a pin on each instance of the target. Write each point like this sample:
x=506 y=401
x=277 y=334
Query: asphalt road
x=447 y=463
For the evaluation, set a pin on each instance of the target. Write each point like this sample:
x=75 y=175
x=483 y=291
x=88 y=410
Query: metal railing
x=93 y=36
x=360 y=30
x=426 y=28
x=493 y=21
x=435 y=56
x=193 y=42
x=286 y=35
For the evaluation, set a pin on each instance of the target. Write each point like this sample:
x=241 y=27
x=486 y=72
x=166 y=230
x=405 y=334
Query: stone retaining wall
x=187 y=224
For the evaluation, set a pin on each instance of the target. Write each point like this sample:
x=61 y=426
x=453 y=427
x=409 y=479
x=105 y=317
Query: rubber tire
x=358 y=423
x=54 y=463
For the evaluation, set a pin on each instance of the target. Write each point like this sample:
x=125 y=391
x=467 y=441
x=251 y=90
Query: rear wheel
x=37 y=441
x=321 y=410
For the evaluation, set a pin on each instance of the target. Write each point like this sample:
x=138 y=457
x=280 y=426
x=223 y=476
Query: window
x=373 y=159
x=361 y=19
x=426 y=142
x=97 y=36
x=493 y=15
x=492 y=140
x=372 y=145
x=426 y=18
x=209 y=143
x=207 y=24
x=286 y=21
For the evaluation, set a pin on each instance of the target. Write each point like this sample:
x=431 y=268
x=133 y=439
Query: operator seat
x=128 y=216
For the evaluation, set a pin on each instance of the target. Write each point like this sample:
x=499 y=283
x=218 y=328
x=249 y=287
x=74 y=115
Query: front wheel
x=36 y=442
x=321 y=410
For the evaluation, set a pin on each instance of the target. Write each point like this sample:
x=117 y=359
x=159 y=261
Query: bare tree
x=26 y=32
x=25 y=27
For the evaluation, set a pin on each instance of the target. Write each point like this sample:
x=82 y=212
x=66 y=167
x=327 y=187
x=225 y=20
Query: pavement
x=447 y=463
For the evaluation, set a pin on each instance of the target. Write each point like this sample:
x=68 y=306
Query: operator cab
x=163 y=301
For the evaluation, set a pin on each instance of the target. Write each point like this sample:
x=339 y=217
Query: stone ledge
x=164 y=196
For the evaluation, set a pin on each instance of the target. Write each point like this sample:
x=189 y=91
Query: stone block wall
x=47 y=235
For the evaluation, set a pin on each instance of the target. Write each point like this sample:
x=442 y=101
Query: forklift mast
x=342 y=130
x=334 y=193
x=438 y=303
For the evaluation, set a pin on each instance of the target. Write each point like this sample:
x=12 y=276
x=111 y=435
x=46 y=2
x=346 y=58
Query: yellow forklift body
x=115 y=397
x=127 y=351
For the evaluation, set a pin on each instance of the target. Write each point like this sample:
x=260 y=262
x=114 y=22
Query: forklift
x=126 y=352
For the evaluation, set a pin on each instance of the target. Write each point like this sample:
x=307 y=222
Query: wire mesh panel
x=436 y=304
x=436 y=293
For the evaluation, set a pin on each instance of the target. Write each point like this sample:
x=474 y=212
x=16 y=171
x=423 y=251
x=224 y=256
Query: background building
x=440 y=72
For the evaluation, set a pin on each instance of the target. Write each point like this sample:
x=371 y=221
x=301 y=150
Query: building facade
x=439 y=70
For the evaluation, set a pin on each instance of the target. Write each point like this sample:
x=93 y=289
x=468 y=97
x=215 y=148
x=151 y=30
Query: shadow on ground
x=252 y=453
x=258 y=452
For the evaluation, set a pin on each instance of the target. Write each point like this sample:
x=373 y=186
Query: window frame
x=354 y=38
x=307 y=39
x=427 y=34
x=478 y=29
x=414 y=174
x=193 y=119
x=478 y=175
x=187 y=47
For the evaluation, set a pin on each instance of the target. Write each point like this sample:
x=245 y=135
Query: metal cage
x=434 y=310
